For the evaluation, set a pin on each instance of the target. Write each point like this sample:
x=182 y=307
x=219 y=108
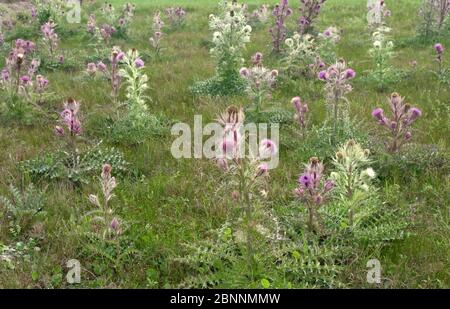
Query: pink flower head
x=377 y=113
x=439 y=48
x=4 y=75
x=101 y=66
x=299 y=192
x=24 y=80
x=91 y=68
x=329 y=185
x=350 y=73
x=114 y=225
x=408 y=136
x=228 y=146
x=244 y=72
x=414 y=113
x=262 y=169
x=323 y=75
x=257 y=58
x=106 y=171
x=139 y=63
x=305 y=180
x=267 y=148
x=297 y=103
x=222 y=164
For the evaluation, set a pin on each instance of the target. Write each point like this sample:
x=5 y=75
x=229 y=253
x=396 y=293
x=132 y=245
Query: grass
x=173 y=202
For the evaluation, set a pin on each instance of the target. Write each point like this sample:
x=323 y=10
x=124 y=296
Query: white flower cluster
x=379 y=39
x=352 y=172
x=301 y=51
x=231 y=31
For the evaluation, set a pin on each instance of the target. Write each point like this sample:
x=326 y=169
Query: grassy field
x=168 y=203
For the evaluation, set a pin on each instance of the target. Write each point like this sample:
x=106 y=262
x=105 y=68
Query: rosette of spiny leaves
x=353 y=177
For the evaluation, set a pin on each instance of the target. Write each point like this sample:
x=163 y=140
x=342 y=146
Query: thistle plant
x=313 y=191
x=136 y=85
x=309 y=11
x=399 y=125
x=34 y=91
x=377 y=12
x=300 y=54
x=231 y=33
x=441 y=71
x=246 y=176
x=327 y=41
x=352 y=177
x=103 y=218
x=155 y=40
x=281 y=12
x=337 y=84
x=50 y=38
x=111 y=72
x=381 y=53
x=301 y=111
x=17 y=65
x=261 y=15
x=260 y=81
x=176 y=17
x=433 y=14
x=69 y=130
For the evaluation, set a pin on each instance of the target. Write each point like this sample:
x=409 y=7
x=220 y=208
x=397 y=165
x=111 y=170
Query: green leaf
x=265 y=283
x=34 y=275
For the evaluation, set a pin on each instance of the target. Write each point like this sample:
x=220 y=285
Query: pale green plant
x=352 y=177
x=135 y=84
x=382 y=52
x=301 y=51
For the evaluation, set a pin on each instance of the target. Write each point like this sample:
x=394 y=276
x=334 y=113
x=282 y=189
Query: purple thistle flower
x=115 y=224
x=24 y=80
x=262 y=169
x=267 y=148
x=414 y=113
x=377 y=113
x=408 y=136
x=305 y=180
x=244 y=72
x=139 y=63
x=329 y=185
x=323 y=75
x=439 y=48
x=350 y=73
x=101 y=66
